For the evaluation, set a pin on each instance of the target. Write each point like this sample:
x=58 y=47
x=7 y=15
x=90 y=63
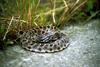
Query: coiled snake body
x=44 y=40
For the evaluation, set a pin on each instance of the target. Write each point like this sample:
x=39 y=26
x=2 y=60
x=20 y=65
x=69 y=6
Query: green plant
x=25 y=14
x=87 y=11
x=35 y=13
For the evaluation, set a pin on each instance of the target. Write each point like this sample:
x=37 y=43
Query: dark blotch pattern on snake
x=44 y=40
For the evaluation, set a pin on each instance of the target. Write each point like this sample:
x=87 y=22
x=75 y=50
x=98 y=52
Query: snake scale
x=44 y=40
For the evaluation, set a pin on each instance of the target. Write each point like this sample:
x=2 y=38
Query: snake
x=46 y=39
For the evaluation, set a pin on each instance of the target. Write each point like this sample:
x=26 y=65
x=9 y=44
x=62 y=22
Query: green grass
x=34 y=13
x=24 y=14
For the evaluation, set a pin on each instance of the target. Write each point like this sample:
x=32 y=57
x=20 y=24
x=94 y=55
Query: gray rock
x=83 y=51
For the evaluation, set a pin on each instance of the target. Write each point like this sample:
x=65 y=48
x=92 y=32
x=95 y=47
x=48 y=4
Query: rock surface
x=83 y=51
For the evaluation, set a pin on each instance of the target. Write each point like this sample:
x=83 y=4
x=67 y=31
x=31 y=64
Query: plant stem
x=8 y=28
